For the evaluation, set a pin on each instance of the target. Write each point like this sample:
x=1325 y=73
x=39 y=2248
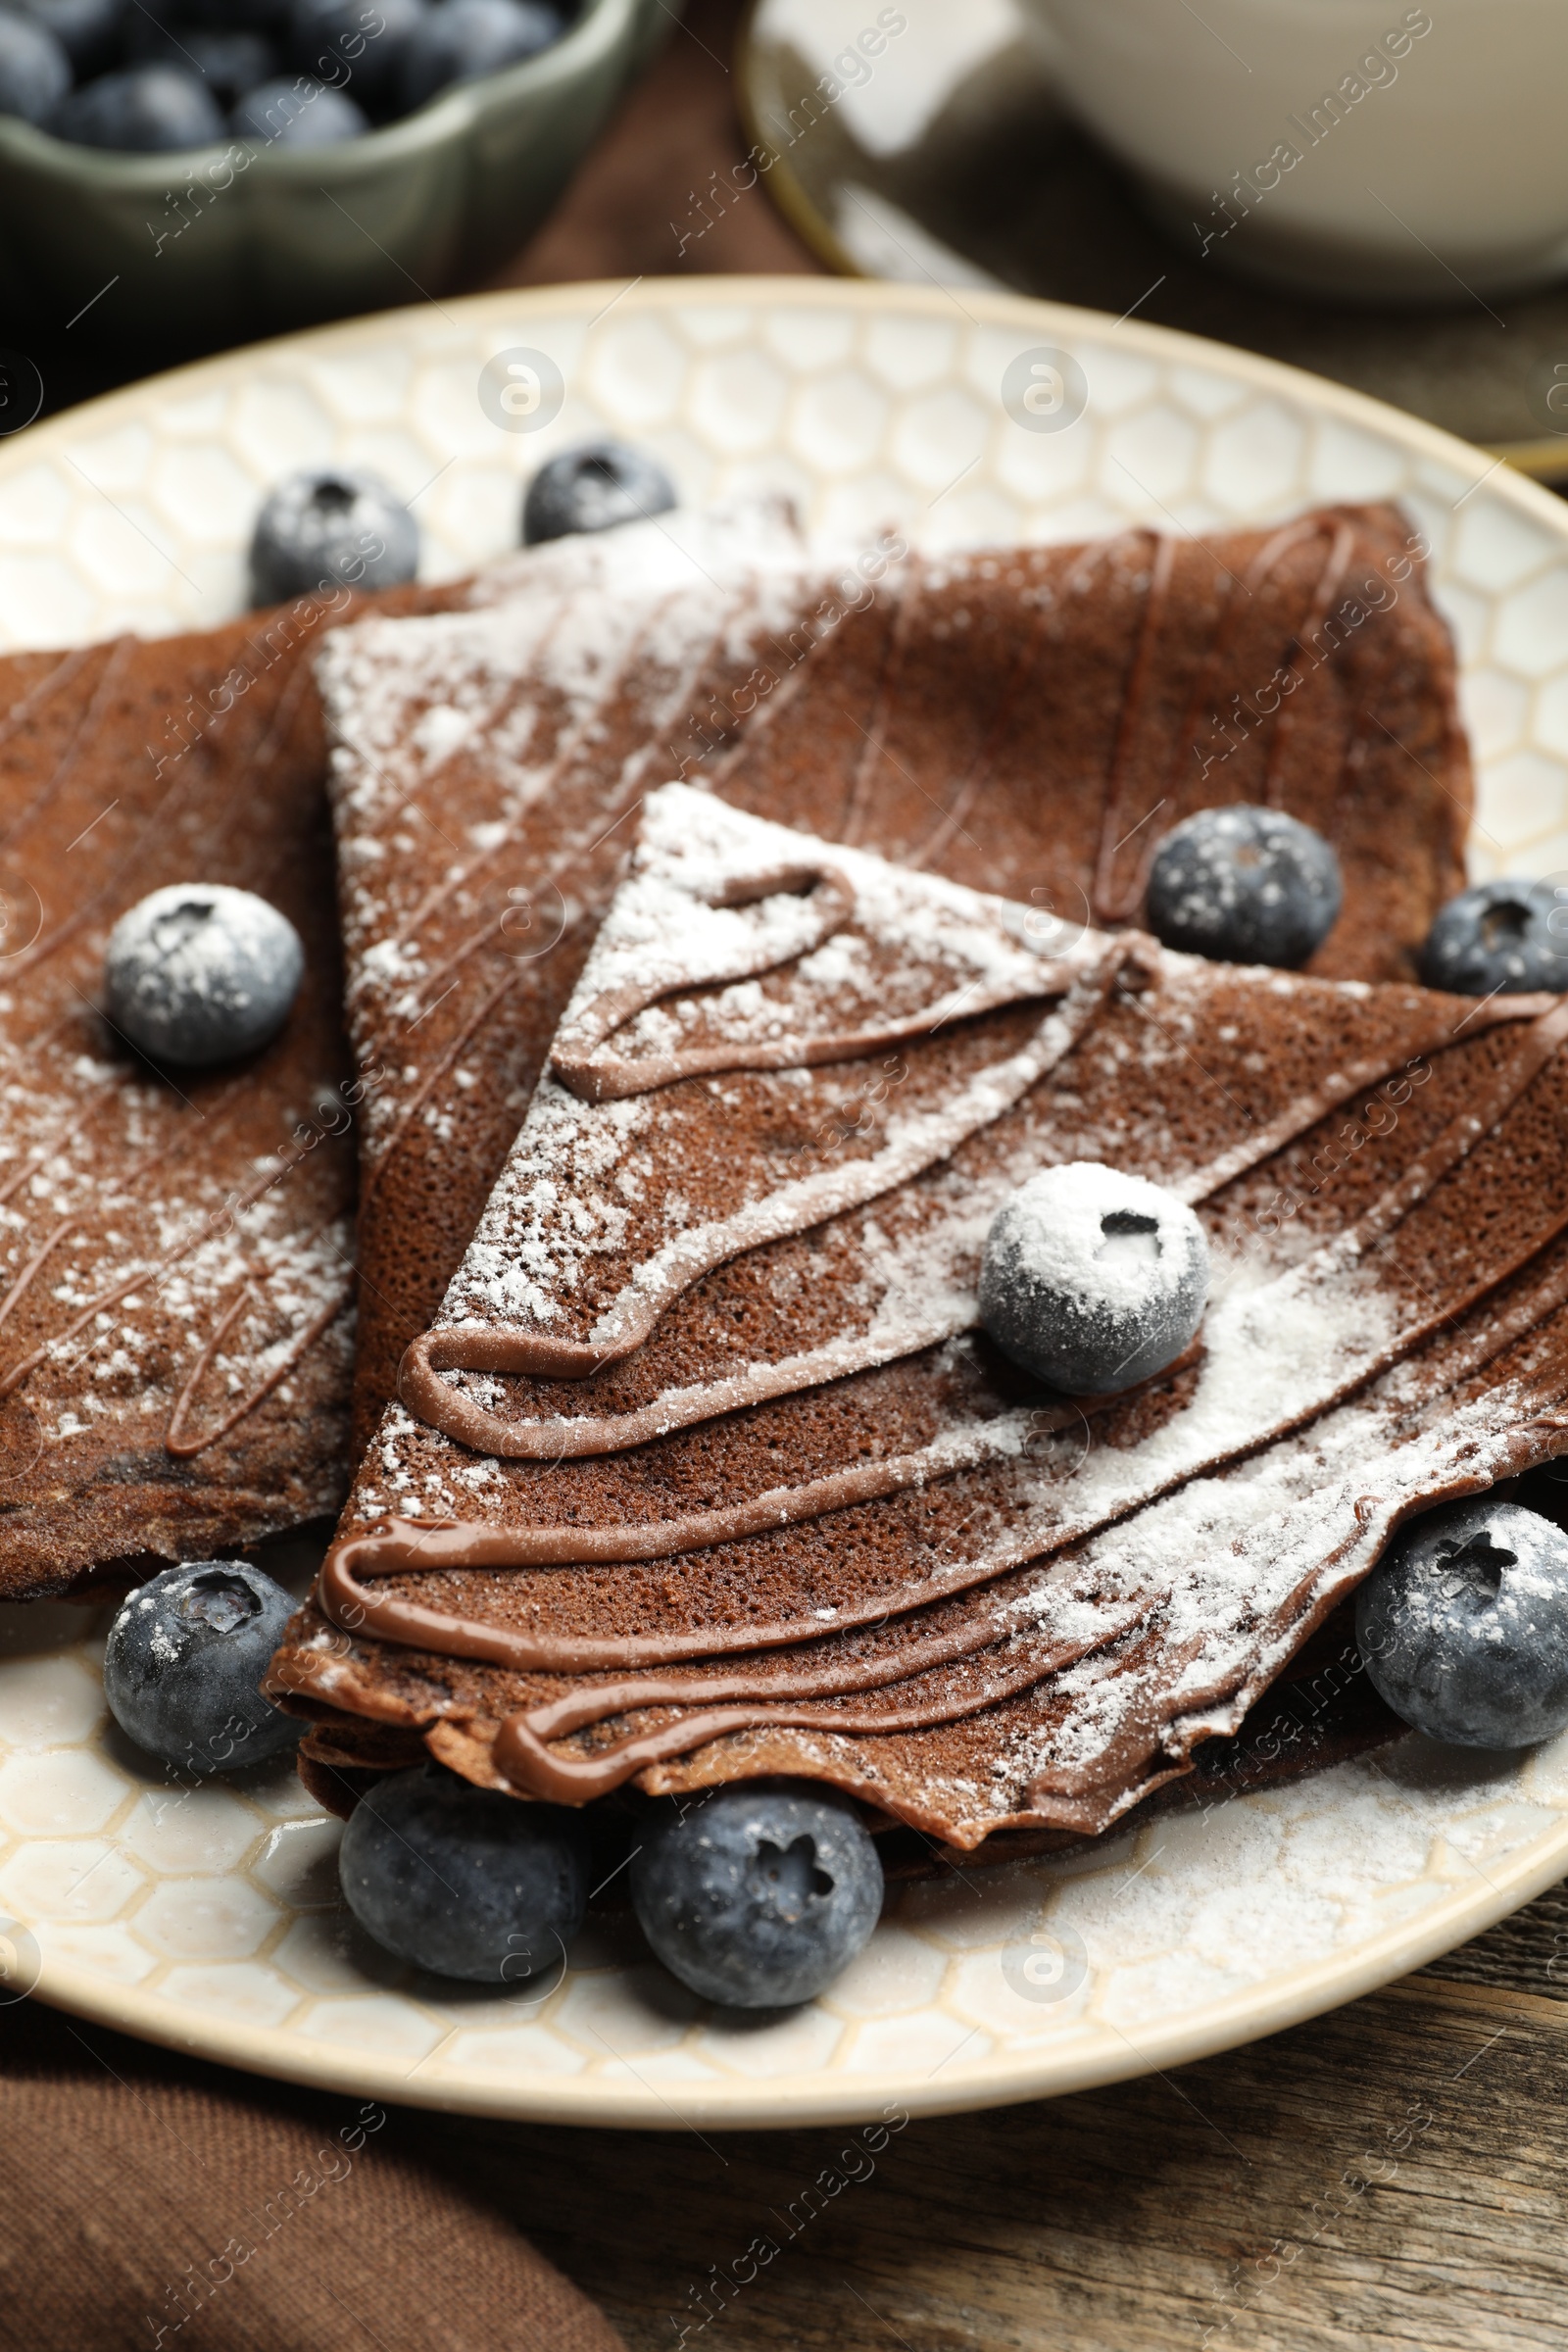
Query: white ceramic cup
x=1354 y=147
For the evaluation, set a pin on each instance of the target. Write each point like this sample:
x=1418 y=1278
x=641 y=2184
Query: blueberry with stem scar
x=184 y=1661
x=1463 y=1625
x=1499 y=939
x=329 y=528
x=757 y=1895
x=1245 y=885
x=594 y=488
x=200 y=972
x=463 y=1881
x=1092 y=1279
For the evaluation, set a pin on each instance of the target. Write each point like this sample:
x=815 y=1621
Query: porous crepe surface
x=165 y=1238
x=1025 y=720
x=477 y=774
x=1040 y=1635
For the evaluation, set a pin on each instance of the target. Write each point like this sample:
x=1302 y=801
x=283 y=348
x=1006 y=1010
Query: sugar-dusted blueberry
x=184 y=1661
x=757 y=1895
x=365 y=41
x=228 y=62
x=295 y=111
x=1093 y=1279
x=331 y=526
x=463 y=1881
x=200 y=972
x=1500 y=938
x=594 y=487
x=1245 y=885
x=144 y=110
x=34 y=69
x=1463 y=1625
x=461 y=40
x=88 y=30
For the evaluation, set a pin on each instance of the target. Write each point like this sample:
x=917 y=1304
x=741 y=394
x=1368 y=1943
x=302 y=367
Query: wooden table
x=1387 y=2176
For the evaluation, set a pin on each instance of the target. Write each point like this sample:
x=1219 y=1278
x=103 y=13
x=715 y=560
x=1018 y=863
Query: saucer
x=951 y=160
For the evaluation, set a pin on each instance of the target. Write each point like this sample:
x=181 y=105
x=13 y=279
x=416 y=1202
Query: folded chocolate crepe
x=483 y=770
x=175 y=1250
x=1030 y=720
x=704 y=1470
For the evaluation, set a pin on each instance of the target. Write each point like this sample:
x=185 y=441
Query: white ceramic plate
x=211 y=1919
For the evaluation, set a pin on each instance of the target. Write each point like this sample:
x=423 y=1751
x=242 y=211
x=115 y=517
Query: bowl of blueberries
x=213 y=169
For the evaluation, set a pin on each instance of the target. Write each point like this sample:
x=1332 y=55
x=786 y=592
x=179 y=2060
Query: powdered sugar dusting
x=1057 y=1226
x=1179 y=1561
x=522 y=681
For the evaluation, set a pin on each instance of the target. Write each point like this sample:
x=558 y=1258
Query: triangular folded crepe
x=704 y=1470
x=176 y=1252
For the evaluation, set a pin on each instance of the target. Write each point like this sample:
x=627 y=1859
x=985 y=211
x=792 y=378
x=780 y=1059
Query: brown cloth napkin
x=150 y=2200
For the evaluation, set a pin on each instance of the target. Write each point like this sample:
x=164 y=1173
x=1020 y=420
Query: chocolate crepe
x=176 y=1293
x=1029 y=720
x=704 y=1471
x=484 y=769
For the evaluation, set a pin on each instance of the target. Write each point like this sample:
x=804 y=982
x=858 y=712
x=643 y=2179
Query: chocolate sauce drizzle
x=178 y=1439
x=270 y=731
x=756 y=1690
x=580 y=1061
x=792 y=1209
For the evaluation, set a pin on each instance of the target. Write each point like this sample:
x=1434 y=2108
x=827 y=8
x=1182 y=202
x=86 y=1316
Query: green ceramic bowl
x=229 y=243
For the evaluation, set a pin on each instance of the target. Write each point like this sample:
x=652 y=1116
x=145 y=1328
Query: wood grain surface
x=1390 y=2175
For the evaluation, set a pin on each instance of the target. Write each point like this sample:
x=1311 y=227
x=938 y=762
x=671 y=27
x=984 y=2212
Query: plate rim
x=736 y=2103
x=980 y=306
x=837 y=2097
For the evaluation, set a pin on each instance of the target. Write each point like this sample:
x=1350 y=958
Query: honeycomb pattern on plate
x=867 y=407
x=211 y=1916
x=217 y=1907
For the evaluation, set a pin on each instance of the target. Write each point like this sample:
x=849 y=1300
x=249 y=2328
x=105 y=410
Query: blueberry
x=34 y=69
x=145 y=109
x=463 y=1881
x=295 y=112
x=1463 y=1625
x=758 y=1894
x=86 y=30
x=1502 y=937
x=331 y=525
x=461 y=40
x=199 y=972
x=184 y=1661
x=228 y=62
x=368 y=41
x=1093 y=1279
x=593 y=488
x=1246 y=885
x=237 y=15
